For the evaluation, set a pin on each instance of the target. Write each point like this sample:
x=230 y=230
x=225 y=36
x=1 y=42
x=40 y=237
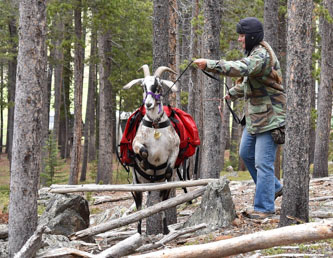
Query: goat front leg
x=171 y=165
x=142 y=151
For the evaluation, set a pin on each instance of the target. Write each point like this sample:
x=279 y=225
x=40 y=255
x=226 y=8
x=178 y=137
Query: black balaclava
x=253 y=30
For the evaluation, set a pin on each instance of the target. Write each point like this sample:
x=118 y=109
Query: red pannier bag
x=183 y=123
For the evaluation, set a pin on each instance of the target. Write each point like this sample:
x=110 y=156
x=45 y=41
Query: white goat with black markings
x=156 y=143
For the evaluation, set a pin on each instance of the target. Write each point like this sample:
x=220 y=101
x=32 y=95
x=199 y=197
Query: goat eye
x=154 y=87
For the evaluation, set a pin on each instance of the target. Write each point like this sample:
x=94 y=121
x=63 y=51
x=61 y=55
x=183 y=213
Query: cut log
x=128 y=188
x=30 y=248
x=138 y=215
x=246 y=243
x=123 y=248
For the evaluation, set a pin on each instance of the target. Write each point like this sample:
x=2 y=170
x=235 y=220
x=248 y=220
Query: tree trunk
x=271 y=22
x=78 y=87
x=295 y=201
x=90 y=107
x=172 y=48
x=271 y=28
x=93 y=119
x=30 y=103
x=65 y=116
x=313 y=93
x=104 y=173
x=185 y=32
x=192 y=80
x=58 y=76
x=320 y=166
x=210 y=163
x=161 y=37
x=12 y=66
x=2 y=101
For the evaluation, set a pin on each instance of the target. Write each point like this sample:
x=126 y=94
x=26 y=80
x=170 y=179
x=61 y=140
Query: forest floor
x=320 y=204
x=242 y=194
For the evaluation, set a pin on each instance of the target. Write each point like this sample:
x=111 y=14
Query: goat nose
x=148 y=105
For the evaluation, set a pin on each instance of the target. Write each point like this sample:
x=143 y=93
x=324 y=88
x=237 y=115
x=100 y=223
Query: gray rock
x=66 y=214
x=4 y=249
x=217 y=208
x=3 y=231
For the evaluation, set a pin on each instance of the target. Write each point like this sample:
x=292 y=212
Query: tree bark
x=58 y=76
x=90 y=107
x=78 y=88
x=246 y=243
x=104 y=173
x=30 y=248
x=28 y=130
x=320 y=166
x=66 y=125
x=271 y=22
x=271 y=28
x=161 y=37
x=210 y=163
x=12 y=67
x=295 y=201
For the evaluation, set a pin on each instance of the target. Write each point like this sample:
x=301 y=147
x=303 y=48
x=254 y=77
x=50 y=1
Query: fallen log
x=127 y=187
x=65 y=252
x=246 y=243
x=123 y=248
x=104 y=199
x=321 y=198
x=112 y=236
x=171 y=236
x=116 y=223
x=30 y=247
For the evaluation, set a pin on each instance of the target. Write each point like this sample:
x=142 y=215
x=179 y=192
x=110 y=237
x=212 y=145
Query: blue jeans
x=258 y=153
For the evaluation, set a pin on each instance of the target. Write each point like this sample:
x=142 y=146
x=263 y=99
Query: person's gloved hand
x=201 y=63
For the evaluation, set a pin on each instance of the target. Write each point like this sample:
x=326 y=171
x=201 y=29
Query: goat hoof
x=143 y=153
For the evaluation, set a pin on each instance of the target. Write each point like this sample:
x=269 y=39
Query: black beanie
x=253 y=30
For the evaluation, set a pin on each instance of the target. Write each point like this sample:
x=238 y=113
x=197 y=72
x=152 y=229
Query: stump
x=217 y=208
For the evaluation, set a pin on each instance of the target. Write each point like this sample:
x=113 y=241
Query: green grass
x=241 y=176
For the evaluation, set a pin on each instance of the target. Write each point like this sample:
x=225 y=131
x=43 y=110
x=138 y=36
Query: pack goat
x=156 y=143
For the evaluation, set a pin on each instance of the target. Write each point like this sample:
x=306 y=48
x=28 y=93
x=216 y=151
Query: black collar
x=156 y=125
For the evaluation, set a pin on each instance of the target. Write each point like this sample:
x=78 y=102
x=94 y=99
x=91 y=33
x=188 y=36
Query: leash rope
x=234 y=115
x=178 y=78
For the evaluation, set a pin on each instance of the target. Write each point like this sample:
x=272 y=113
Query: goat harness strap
x=154 y=177
x=156 y=125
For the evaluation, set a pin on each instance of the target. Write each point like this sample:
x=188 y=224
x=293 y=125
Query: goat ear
x=131 y=83
x=170 y=84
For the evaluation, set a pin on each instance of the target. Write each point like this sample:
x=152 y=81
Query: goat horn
x=159 y=71
x=145 y=69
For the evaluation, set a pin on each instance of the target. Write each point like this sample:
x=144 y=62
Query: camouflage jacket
x=265 y=100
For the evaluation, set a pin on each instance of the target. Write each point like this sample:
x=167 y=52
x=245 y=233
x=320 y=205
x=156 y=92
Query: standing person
x=264 y=96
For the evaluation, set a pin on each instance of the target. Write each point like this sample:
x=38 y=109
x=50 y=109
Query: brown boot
x=257 y=215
